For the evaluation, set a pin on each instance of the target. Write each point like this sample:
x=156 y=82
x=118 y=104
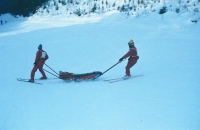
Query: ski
x=112 y=79
x=39 y=79
x=121 y=79
x=21 y=79
x=24 y=80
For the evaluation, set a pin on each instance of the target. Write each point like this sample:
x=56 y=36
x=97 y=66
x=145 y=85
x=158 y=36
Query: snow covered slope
x=165 y=98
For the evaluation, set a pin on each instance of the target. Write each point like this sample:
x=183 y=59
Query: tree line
x=20 y=7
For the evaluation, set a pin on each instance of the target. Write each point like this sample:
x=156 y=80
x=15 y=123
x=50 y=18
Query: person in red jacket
x=41 y=57
x=133 y=57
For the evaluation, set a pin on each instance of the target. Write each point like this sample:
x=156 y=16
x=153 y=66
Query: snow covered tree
x=20 y=7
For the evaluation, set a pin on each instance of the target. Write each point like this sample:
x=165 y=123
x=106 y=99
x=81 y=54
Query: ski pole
x=110 y=67
x=51 y=73
x=51 y=69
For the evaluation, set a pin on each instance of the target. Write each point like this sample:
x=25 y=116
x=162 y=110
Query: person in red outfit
x=41 y=57
x=133 y=57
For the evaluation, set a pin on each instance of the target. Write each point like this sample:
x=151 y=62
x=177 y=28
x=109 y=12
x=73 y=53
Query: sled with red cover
x=76 y=77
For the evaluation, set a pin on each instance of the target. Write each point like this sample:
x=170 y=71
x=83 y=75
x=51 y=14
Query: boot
x=31 y=80
x=42 y=78
x=126 y=76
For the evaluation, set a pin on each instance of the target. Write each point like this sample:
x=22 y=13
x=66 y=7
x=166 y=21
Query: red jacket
x=41 y=56
x=132 y=53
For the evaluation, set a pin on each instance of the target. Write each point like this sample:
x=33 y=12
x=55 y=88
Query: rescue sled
x=76 y=77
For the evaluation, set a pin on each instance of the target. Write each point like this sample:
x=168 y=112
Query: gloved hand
x=121 y=59
x=35 y=63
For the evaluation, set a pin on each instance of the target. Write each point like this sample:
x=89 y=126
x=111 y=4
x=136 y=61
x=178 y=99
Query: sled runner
x=85 y=76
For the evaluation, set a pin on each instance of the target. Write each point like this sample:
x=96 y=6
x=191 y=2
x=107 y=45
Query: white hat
x=131 y=42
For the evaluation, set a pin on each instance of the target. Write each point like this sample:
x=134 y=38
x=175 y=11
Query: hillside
x=133 y=8
x=166 y=97
x=81 y=8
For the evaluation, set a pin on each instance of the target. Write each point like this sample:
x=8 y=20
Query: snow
x=166 y=97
